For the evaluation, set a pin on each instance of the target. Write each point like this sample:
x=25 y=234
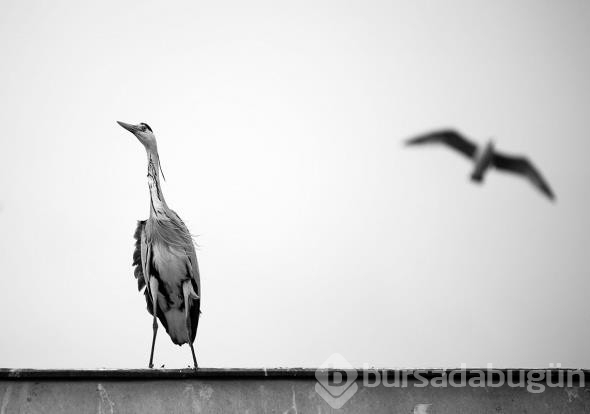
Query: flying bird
x=165 y=259
x=486 y=157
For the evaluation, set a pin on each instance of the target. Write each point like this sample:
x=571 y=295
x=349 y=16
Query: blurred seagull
x=485 y=158
x=165 y=259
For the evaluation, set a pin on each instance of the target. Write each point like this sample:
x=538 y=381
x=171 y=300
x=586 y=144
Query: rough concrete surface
x=113 y=392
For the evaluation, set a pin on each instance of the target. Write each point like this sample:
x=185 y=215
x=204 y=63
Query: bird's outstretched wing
x=522 y=165
x=449 y=137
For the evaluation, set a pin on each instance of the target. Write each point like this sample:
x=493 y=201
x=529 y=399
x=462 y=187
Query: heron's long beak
x=131 y=128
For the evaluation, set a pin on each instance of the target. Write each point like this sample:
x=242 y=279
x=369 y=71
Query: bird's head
x=143 y=132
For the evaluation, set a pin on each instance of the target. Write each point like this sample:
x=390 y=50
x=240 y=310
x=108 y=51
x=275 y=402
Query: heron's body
x=165 y=259
x=171 y=265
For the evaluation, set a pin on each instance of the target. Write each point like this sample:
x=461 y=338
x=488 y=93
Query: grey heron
x=485 y=158
x=165 y=259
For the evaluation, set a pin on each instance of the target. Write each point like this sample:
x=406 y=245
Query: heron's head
x=143 y=132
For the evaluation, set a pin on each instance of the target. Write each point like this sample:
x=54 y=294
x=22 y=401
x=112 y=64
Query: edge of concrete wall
x=292 y=391
x=259 y=373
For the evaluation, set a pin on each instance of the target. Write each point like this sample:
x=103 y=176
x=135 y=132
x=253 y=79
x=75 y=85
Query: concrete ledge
x=277 y=390
x=251 y=373
x=147 y=374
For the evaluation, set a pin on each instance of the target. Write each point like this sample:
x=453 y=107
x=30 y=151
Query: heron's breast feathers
x=165 y=249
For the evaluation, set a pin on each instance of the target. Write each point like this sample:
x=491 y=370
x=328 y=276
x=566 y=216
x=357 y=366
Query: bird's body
x=485 y=158
x=165 y=259
x=172 y=265
x=483 y=161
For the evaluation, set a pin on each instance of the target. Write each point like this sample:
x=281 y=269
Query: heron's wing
x=195 y=309
x=522 y=165
x=139 y=254
x=449 y=137
x=150 y=309
x=192 y=270
x=186 y=242
x=141 y=261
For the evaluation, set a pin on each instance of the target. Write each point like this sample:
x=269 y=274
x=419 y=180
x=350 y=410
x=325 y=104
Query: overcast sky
x=279 y=126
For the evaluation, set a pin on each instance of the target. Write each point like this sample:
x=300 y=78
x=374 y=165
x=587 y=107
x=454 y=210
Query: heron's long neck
x=158 y=204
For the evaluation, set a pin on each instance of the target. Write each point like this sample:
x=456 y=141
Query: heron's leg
x=188 y=295
x=154 y=293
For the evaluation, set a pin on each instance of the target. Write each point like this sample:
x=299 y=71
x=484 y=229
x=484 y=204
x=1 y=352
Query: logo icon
x=336 y=381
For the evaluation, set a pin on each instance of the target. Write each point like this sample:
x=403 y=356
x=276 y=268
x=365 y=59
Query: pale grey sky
x=279 y=126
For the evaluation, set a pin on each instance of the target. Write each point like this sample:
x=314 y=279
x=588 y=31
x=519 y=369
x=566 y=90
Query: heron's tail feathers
x=176 y=326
